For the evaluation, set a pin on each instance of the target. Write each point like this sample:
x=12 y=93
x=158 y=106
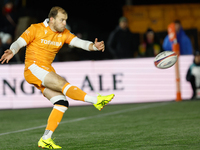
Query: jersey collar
x=46 y=22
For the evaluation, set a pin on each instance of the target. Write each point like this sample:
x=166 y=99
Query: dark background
x=101 y=14
x=95 y=16
x=91 y=18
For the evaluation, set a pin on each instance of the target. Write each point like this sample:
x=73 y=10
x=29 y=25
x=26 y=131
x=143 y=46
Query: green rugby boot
x=48 y=143
x=103 y=100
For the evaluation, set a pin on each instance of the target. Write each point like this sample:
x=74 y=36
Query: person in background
x=5 y=41
x=182 y=38
x=193 y=75
x=121 y=42
x=9 y=19
x=150 y=46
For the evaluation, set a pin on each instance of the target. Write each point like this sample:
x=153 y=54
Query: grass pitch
x=147 y=126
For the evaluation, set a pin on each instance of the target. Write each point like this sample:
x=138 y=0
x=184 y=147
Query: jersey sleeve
x=69 y=37
x=29 y=34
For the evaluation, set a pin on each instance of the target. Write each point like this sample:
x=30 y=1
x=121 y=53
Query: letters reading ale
x=87 y=83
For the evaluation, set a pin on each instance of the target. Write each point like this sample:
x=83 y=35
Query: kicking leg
x=57 y=83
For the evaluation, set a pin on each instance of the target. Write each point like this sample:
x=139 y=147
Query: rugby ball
x=165 y=59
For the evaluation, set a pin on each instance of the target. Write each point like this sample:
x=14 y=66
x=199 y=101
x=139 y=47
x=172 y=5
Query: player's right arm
x=14 y=48
x=22 y=41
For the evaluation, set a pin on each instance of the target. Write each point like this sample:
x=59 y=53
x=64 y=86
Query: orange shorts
x=35 y=73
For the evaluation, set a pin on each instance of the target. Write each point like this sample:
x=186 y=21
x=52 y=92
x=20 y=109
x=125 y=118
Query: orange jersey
x=43 y=44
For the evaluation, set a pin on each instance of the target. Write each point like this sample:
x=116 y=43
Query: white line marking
x=91 y=117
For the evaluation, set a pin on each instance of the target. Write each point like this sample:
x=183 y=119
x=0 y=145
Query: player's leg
x=57 y=83
x=60 y=106
x=40 y=75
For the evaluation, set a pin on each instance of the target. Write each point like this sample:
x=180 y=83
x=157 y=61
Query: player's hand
x=99 y=45
x=6 y=56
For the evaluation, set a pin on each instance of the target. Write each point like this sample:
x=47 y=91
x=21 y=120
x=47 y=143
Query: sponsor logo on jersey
x=60 y=35
x=49 y=42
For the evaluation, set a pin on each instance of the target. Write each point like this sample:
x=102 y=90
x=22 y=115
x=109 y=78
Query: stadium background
x=143 y=126
x=97 y=19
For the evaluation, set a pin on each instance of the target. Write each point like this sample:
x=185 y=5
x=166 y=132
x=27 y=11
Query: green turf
x=148 y=126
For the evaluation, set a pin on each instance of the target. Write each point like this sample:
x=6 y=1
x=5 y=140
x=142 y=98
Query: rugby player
x=43 y=41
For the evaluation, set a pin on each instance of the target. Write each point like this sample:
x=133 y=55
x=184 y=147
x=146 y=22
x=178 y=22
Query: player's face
x=60 y=22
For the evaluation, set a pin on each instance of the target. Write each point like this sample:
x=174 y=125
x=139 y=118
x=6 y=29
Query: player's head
x=123 y=23
x=177 y=25
x=57 y=19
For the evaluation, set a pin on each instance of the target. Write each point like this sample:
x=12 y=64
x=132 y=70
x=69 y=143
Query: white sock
x=47 y=134
x=90 y=99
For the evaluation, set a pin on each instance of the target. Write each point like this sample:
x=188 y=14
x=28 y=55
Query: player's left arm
x=88 y=45
x=97 y=46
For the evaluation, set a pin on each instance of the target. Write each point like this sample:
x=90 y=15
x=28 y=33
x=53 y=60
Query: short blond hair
x=54 y=11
